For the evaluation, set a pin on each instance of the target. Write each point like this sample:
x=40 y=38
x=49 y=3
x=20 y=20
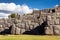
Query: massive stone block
x=13 y=29
x=1 y=28
x=57 y=22
x=17 y=30
x=49 y=30
x=22 y=31
x=56 y=29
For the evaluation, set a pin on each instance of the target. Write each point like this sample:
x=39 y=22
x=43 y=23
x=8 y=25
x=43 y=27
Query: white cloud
x=4 y=15
x=56 y=5
x=36 y=9
x=14 y=8
x=26 y=9
x=7 y=6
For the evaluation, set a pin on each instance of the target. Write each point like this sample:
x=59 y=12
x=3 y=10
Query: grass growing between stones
x=28 y=37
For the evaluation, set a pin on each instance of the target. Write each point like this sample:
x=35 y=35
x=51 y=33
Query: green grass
x=28 y=37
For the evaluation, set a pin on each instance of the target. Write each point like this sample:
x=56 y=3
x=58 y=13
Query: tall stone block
x=17 y=30
x=13 y=29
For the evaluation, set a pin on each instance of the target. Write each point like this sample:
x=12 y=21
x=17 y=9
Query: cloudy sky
x=24 y=6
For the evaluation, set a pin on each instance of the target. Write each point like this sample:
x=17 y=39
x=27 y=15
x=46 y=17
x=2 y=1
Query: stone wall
x=40 y=22
x=53 y=23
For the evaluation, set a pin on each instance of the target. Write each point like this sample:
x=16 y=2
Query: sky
x=24 y=6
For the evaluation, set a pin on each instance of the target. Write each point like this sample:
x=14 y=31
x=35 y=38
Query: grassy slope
x=28 y=37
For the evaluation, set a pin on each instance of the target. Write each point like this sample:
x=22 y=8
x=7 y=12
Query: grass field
x=28 y=37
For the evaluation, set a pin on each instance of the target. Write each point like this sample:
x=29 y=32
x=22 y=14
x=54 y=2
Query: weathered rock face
x=45 y=21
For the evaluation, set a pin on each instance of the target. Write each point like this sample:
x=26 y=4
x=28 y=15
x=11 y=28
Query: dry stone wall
x=45 y=21
x=53 y=23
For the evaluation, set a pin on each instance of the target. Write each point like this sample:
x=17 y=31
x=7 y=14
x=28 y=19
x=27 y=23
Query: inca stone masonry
x=40 y=22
